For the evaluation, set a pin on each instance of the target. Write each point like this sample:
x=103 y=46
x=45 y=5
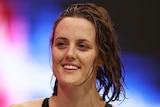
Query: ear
x=100 y=63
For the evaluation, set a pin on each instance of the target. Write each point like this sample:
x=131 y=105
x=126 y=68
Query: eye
x=61 y=44
x=83 y=46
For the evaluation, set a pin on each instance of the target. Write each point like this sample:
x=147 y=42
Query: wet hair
x=110 y=79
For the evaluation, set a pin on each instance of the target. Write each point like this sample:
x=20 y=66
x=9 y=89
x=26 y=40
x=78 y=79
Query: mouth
x=70 y=67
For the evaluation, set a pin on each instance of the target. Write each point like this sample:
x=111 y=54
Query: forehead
x=75 y=22
x=75 y=26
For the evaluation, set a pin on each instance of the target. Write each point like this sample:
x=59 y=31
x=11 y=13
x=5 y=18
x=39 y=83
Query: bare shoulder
x=32 y=103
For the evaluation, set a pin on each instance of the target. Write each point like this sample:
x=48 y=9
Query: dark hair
x=109 y=76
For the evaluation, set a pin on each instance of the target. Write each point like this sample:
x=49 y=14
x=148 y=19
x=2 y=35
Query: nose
x=71 y=53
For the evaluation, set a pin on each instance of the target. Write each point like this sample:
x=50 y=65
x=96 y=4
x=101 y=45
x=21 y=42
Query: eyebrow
x=61 y=38
x=80 y=40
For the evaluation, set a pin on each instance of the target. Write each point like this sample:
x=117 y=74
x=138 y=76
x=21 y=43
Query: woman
x=85 y=60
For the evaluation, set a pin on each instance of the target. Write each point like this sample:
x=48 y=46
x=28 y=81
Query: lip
x=70 y=64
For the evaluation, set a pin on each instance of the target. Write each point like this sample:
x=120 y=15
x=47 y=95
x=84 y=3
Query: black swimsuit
x=45 y=103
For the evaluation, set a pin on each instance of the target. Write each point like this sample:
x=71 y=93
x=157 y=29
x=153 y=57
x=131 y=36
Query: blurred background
x=25 y=66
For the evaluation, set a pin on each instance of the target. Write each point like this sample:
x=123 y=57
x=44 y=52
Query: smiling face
x=74 y=51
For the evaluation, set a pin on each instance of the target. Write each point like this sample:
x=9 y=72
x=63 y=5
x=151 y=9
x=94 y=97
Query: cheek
x=55 y=58
x=56 y=55
x=55 y=61
x=89 y=59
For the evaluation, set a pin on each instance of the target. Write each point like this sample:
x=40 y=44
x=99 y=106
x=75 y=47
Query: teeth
x=70 y=67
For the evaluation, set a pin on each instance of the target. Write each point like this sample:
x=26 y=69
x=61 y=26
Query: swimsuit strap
x=45 y=102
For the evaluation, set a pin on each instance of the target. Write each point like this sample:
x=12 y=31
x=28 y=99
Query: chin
x=70 y=82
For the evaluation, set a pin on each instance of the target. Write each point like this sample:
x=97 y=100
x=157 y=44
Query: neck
x=76 y=96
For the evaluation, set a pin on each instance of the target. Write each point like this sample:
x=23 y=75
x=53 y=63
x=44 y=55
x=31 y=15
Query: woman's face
x=74 y=51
